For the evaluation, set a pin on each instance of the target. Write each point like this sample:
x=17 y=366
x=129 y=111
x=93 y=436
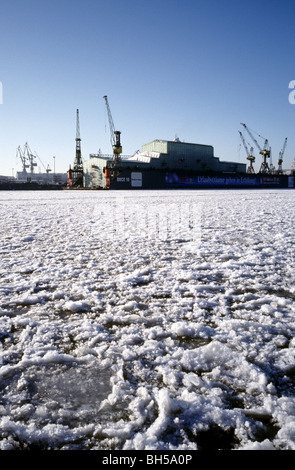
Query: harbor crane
x=78 y=164
x=250 y=155
x=31 y=157
x=75 y=175
x=21 y=154
x=27 y=158
x=281 y=154
x=115 y=135
x=265 y=151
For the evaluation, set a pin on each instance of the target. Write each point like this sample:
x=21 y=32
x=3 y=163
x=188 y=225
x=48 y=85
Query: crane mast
x=75 y=175
x=115 y=135
x=78 y=164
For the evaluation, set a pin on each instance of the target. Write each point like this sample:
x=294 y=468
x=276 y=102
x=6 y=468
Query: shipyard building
x=42 y=178
x=155 y=165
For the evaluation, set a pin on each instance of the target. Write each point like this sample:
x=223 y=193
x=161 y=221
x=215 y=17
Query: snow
x=147 y=320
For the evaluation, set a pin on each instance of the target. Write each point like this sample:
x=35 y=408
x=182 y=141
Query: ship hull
x=29 y=186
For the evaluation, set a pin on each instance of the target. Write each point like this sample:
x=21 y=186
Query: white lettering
x=178 y=459
x=292 y=93
x=112 y=460
x=176 y=221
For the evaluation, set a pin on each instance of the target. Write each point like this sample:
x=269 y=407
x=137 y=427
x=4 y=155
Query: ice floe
x=147 y=320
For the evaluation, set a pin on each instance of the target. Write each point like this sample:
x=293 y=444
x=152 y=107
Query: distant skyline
x=184 y=68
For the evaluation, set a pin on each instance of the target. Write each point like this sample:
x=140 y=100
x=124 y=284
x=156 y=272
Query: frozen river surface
x=147 y=320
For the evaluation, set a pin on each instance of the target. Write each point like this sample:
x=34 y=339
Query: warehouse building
x=156 y=158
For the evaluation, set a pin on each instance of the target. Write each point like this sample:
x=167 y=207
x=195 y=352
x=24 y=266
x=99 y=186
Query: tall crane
x=78 y=164
x=265 y=152
x=21 y=154
x=250 y=155
x=75 y=175
x=31 y=158
x=115 y=135
x=281 y=154
x=27 y=158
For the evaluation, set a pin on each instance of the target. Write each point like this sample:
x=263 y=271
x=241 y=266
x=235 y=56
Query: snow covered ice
x=147 y=320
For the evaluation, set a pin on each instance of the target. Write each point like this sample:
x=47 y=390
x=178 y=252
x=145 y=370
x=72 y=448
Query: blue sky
x=190 y=68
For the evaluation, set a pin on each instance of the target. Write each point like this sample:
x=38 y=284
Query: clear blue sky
x=190 y=68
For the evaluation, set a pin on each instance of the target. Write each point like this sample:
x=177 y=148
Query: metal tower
x=75 y=175
x=78 y=164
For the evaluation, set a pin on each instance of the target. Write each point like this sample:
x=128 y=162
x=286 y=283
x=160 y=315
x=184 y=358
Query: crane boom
x=111 y=122
x=252 y=137
x=244 y=143
x=115 y=135
x=284 y=148
x=281 y=154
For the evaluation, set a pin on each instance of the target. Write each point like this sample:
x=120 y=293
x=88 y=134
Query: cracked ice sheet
x=147 y=320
